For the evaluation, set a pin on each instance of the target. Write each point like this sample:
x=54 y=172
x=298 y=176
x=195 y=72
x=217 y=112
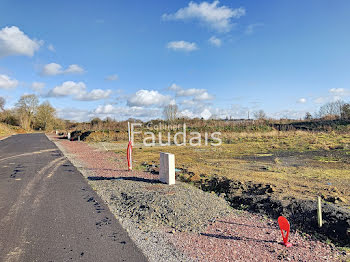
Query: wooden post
x=319 y=212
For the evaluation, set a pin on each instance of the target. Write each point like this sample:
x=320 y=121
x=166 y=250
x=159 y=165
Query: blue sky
x=131 y=58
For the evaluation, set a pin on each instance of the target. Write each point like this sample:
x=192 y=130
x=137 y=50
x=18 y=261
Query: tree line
x=29 y=114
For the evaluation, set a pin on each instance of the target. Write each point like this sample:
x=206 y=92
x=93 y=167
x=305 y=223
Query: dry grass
x=292 y=176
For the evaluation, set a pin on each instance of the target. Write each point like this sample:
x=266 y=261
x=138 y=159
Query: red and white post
x=129 y=149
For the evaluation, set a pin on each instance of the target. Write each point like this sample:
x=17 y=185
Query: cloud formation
x=53 y=69
x=211 y=14
x=148 y=98
x=215 y=41
x=7 y=83
x=182 y=46
x=197 y=94
x=14 y=42
x=78 y=91
x=302 y=100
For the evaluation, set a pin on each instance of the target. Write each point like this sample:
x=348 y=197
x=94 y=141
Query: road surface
x=49 y=213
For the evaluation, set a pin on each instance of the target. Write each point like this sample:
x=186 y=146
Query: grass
x=252 y=157
x=6 y=130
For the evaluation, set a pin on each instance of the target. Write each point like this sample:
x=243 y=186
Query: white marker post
x=319 y=212
x=68 y=136
x=167 y=168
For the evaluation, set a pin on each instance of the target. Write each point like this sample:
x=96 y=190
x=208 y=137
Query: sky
x=129 y=59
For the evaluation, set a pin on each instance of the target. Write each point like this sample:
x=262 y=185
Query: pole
x=129 y=147
x=319 y=212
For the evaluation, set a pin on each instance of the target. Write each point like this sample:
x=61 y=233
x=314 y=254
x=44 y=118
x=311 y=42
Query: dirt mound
x=301 y=213
x=151 y=205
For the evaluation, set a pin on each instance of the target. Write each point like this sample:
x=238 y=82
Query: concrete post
x=167 y=168
x=79 y=138
x=68 y=136
x=56 y=132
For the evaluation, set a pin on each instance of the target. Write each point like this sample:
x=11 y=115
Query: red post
x=284 y=227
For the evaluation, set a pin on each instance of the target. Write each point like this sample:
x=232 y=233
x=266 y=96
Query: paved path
x=49 y=213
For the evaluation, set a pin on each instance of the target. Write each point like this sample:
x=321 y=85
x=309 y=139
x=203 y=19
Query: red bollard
x=128 y=155
x=284 y=226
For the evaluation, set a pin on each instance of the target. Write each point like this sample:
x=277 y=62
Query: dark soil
x=301 y=213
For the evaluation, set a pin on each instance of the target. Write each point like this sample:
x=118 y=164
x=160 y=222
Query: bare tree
x=331 y=109
x=170 y=112
x=308 y=116
x=260 y=115
x=26 y=109
x=2 y=103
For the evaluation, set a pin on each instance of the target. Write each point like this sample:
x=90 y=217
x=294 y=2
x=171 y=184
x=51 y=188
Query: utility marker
x=167 y=168
x=129 y=149
x=319 y=212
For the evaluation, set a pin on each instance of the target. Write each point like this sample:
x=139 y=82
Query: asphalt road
x=49 y=213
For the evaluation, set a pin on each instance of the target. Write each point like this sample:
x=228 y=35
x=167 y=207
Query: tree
x=2 y=103
x=260 y=115
x=345 y=111
x=331 y=109
x=26 y=109
x=308 y=116
x=45 y=116
x=170 y=112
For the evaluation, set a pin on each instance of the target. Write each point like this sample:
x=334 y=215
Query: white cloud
x=182 y=46
x=250 y=29
x=215 y=41
x=78 y=91
x=14 y=42
x=74 y=69
x=51 y=48
x=125 y=112
x=7 y=83
x=211 y=14
x=174 y=87
x=197 y=94
x=148 y=98
x=203 y=96
x=95 y=94
x=206 y=114
x=302 y=100
x=68 y=88
x=53 y=69
x=113 y=77
x=73 y=114
x=339 y=91
x=38 y=86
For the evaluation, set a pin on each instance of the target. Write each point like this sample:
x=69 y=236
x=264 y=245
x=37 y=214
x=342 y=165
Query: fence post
x=167 y=168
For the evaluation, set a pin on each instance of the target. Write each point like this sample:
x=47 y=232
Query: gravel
x=151 y=205
x=183 y=223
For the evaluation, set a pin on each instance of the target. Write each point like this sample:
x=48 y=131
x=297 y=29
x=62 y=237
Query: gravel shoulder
x=183 y=223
